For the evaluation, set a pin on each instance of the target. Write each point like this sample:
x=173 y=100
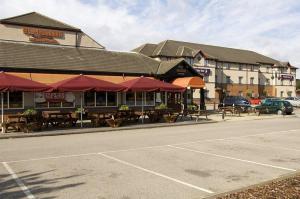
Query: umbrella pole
x=2 y=116
x=81 y=107
x=143 y=107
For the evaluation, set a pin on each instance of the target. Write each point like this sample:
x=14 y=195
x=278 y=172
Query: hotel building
x=229 y=71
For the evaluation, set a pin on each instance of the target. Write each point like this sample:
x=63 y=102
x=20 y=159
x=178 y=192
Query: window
x=268 y=69
x=206 y=94
x=149 y=98
x=54 y=100
x=205 y=62
x=240 y=67
x=267 y=82
x=251 y=67
x=241 y=93
x=216 y=78
x=130 y=98
x=226 y=66
x=112 y=99
x=206 y=78
x=281 y=94
x=252 y=80
x=89 y=98
x=136 y=99
x=13 y=100
x=240 y=80
x=228 y=80
x=289 y=93
x=99 y=99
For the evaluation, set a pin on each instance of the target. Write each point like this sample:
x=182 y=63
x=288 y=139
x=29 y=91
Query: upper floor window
x=268 y=69
x=252 y=80
x=251 y=67
x=240 y=67
x=240 y=80
x=228 y=80
x=205 y=62
x=267 y=81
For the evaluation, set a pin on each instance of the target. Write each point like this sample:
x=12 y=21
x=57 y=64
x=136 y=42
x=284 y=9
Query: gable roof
x=170 y=48
x=26 y=56
x=35 y=19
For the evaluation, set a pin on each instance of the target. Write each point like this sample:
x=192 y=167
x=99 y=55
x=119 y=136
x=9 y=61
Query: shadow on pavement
x=35 y=182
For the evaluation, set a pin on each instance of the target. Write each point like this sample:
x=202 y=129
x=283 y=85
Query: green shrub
x=78 y=110
x=30 y=111
x=161 y=106
x=124 y=108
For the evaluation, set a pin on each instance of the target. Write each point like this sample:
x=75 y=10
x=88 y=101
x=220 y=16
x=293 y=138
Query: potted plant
x=30 y=112
x=162 y=106
x=123 y=108
x=78 y=113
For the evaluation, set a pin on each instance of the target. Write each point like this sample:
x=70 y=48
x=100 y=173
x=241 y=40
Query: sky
x=270 y=27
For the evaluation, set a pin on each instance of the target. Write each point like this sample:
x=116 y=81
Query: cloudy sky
x=271 y=27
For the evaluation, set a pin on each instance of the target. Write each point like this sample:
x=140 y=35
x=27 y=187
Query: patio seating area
x=147 y=103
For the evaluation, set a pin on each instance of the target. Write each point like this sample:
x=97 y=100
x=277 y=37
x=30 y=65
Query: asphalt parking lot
x=174 y=162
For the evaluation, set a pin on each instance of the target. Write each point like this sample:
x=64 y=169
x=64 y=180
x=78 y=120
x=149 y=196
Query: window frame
x=48 y=107
x=95 y=100
x=8 y=107
x=135 y=104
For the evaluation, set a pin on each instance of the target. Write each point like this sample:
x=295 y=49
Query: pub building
x=45 y=50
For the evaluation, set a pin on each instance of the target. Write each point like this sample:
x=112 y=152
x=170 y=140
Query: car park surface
x=173 y=162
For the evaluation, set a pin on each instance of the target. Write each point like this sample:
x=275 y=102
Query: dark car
x=279 y=107
x=236 y=101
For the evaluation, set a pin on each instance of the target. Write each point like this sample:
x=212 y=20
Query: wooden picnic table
x=98 y=118
x=61 y=118
x=194 y=113
x=21 y=122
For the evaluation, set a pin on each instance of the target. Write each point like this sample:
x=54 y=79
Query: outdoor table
x=191 y=113
x=18 y=122
x=58 y=118
x=127 y=115
x=99 y=117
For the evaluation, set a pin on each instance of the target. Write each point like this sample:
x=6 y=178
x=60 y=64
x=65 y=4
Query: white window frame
x=8 y=108
x=95 y=100
x=135 y=100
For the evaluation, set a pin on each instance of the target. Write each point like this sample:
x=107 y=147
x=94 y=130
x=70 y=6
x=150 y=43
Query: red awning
x=13 y=83
x=85 y=83
x=146 y=84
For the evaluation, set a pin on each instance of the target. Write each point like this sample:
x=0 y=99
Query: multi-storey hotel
x=229 y=71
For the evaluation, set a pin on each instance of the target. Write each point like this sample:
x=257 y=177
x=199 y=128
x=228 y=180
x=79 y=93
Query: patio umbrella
x=13 y=83
x=82 y=83
x=144 y=84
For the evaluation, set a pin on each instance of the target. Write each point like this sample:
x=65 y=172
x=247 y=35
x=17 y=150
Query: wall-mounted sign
x=39 y=35
x=286 y=77
x=203 y=71
x=54 y=97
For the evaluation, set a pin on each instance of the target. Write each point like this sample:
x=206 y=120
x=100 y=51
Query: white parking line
x=51 y=157
x=262 y=145
x=150 y=147
x=232 y=158
x=156 y=173
x=18 y=181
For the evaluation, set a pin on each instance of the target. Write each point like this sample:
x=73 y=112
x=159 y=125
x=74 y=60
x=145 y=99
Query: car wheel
x=279 y=112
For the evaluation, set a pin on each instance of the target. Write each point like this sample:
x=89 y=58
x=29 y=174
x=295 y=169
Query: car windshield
x=286 y=103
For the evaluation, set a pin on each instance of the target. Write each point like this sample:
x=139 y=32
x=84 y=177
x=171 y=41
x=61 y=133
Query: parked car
x=294 y=101
x=237 y=101
x=269 y=99
x=279 y=107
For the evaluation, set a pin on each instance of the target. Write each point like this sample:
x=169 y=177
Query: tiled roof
x=170 y=48
x=27 y=56
x=38 y=20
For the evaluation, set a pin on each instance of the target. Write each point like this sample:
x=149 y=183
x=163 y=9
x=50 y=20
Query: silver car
x=294 y=101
